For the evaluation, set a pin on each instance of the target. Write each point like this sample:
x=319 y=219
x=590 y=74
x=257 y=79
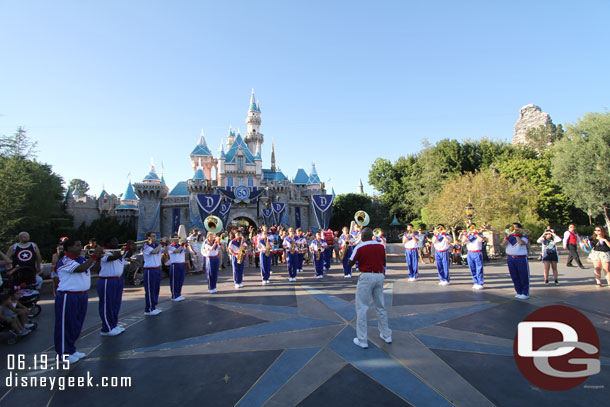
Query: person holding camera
x=550 y=255
x=571 y=240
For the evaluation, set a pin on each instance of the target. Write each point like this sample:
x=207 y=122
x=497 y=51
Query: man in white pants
x=370 y=256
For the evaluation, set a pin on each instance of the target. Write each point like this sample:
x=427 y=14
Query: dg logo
x=25 y=255
x=557 y=348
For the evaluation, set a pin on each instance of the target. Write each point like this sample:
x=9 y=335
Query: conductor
x=370 y=256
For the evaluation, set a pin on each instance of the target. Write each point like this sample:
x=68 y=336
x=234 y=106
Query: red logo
x=556 y=348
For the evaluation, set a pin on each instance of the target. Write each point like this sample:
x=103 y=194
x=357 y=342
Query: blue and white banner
x=175 y=219
x=267 y=216
x=323 y=209
x=297 y=216
x=195 y=222
x=237 y=194
x=223 y=212
x=147 y=227
x=278 y=209
x=208 y=204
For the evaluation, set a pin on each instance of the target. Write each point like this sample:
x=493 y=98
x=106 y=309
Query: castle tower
x=360 y=188
x=202 y=157
x=230 y=137
x=253 y=121
x=272 y=156
x=150 y=191
x=129 y=204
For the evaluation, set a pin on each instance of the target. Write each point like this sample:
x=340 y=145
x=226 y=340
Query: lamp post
x=469 y=213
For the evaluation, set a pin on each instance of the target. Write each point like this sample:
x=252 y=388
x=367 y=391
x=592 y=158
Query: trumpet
x=438 y=230
x=512 y=230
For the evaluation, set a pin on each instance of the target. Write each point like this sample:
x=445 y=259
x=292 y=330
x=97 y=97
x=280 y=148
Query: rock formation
x=530 y=116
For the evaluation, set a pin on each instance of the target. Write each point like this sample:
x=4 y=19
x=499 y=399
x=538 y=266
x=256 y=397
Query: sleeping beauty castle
x=232 y=185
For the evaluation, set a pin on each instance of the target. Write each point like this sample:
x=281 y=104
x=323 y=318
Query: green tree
x=17 y=146
x=346 y=205
x=496 y=199
x=104 y=227
x=542 y=138
x=80 y=185
x=580 y=164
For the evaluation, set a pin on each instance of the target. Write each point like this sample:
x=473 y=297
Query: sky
x=105 y=86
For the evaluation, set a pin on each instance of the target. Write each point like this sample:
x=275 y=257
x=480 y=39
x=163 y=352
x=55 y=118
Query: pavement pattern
x=290 y=344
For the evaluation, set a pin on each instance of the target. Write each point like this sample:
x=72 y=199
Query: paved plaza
x=290 y=344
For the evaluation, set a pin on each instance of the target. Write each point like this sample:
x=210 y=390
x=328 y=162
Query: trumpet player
x=442 y=243
x=110 y=285
x=210 y=250
x=152 y=252
x=317 y=247
x=410 y=240
x=263 y=245
x=516 y=259
x=177 y=267
x=290 y=247
x=238 y=247
x=346 y=240
x=474 y=244
x=301 y=241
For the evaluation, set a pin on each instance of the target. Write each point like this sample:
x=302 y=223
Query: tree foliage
x=17 y=146
x=79 y=185
x=496 y=199
x=542 y=138
x=105 y=227
x=346 y=205
x=580 y=164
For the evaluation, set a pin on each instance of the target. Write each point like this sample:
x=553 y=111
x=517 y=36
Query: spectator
x=571 y=240
x=600 y=255
x=550 y=256
x=25 y=257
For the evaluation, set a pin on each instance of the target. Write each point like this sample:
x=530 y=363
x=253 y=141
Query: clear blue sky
x=104 y=86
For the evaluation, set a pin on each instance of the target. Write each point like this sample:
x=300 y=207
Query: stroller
x=23 y=279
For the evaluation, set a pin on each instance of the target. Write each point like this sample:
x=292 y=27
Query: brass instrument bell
x=213 y=224
x=362 y=218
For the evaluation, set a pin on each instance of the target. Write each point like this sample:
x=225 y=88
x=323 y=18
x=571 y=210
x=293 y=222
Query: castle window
x=250 y=182
x=241 y=181
x=229 y=181
x=240 y=162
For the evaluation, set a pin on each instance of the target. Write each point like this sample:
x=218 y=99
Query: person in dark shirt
x=370 y=256
x=600 y=255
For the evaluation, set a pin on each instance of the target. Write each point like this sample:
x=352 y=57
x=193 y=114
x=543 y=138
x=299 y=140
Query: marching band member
x=238 y=244
x=263 y=246
x=474 y=243
x=346 y=241
x=71 y=299
x=356 y=234
x=516 y=258
x=442 y=243
x=411 y=240
x=177 y=268
x=110 y=285
x=301 y=249
x=210 y=250
x=329 y=238
x=289 y=244
x=152 y=252
x=317 y=247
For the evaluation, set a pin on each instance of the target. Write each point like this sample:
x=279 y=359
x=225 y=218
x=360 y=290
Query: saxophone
x=242 y=252
x=344 y=249
x=267 y=247
x=292 y=246
x=318 y=253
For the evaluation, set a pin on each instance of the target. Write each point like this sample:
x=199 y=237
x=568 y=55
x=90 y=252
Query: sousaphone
x=213 y=224
x=362 y=218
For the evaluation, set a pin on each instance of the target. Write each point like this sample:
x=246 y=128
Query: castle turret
x=253 y=121
x=201 y=156
x=129 y=204
x=150 y=192
x=360 y=188
x=272 y=156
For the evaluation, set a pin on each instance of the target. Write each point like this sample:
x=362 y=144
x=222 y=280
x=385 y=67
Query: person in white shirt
x=210 y=250
x=301 y=249
x=550 y=255
x=290 y=245
x=235 y=246
x=442 y=243
x=177 y=267
x=410 y=240
x=71 y=298
x=516 y=258
x=152 y=252
x=110 y=285
x=265 y=260
x=474 y=244
x=347 y=243
x=317 y=247
x=571 y=241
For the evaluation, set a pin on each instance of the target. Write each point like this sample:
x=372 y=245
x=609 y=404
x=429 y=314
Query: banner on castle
x=297 y=216
x=208 y=204
x=145 y=226
x=175 y=219
x=242 y=193
x=267 y=213
x=223 y=212
x=195 y=222
x=323 y=209
x=278 y=210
